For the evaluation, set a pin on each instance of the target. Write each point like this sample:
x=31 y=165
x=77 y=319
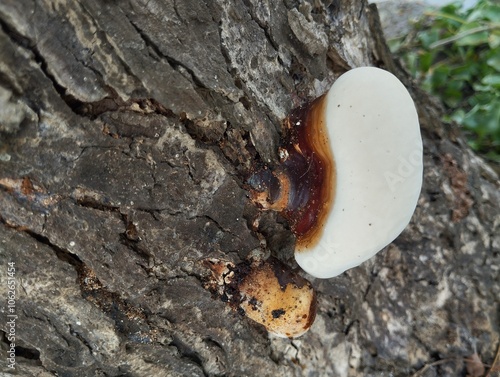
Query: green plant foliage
x=455 y=55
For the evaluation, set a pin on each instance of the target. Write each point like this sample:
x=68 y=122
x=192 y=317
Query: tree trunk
x=126 y=130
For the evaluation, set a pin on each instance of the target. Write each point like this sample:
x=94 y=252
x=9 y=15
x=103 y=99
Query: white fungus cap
x=375 y=140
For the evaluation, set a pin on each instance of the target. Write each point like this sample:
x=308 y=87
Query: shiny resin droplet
x=350 y=174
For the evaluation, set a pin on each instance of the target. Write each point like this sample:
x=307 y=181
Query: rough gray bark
x=126 y=128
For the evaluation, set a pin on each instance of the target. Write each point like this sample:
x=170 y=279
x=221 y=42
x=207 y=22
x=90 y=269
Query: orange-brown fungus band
x=306 y=175
x=315 y=179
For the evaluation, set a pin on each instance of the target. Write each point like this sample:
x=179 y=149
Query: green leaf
x=488 y=12
x=440 y=76
x=428 y=37
x=494 y=61
x=412 y=63
x=470 y=119
x=473 y=34
x=494 y=40
x=493 y=117
x=464 y=72
x=426 y=58
x=395 y=44
x=457 y=116
x=492 y=79
x=482 y=88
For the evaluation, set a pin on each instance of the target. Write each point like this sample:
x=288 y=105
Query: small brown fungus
x=266 y=292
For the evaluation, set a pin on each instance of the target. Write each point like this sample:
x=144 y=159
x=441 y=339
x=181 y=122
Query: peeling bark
x=126 y=131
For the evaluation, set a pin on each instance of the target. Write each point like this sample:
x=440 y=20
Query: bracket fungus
x=348 y=182
x=350 y=173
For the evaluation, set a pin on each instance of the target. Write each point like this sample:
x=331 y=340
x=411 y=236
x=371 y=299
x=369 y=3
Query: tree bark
x=126 y=131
